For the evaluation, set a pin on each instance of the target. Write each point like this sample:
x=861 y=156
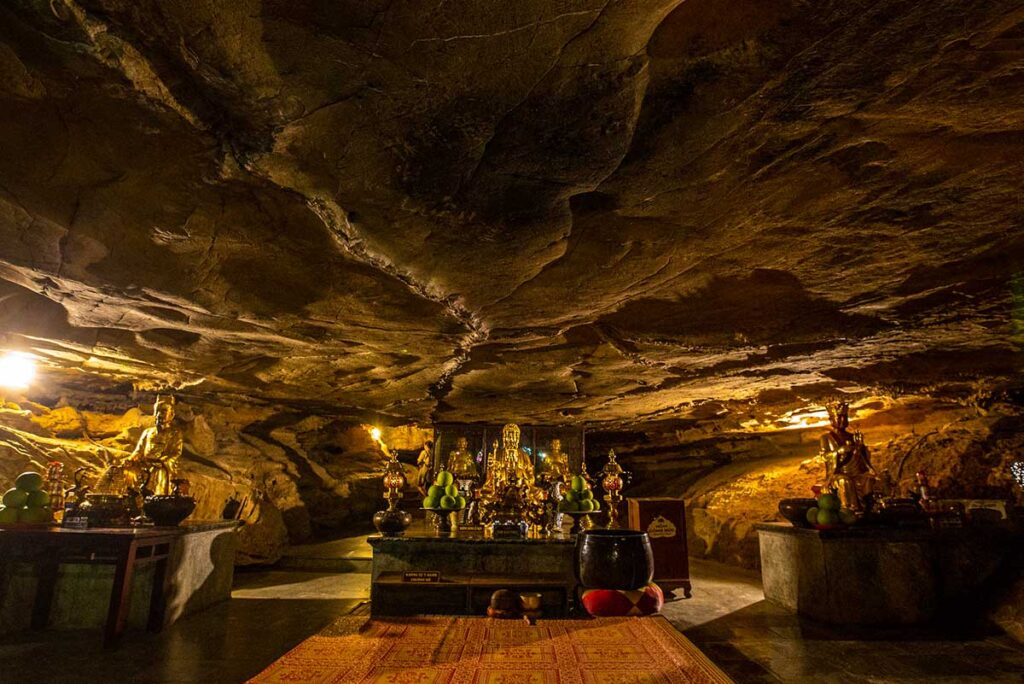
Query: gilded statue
x=507 y=491
x=848 y=468
x=461 y=463
x=555 y=465
x=154 y=461
x=423 y=465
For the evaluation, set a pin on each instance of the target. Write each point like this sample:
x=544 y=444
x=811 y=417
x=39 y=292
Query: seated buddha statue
x=461 y=463
x=153 y=462
x=555 y=465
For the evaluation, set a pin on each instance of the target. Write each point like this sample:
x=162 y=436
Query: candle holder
x=393 y=521
x=612 y=482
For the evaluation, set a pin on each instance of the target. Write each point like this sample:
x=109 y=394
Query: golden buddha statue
x=848 y=468
x=461 y=463
x=506 y=491
x=555 y=465
x=153 y=463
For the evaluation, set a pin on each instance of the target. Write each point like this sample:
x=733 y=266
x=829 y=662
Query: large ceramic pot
x=614 y=559
x=168 y=510
x=795 y=510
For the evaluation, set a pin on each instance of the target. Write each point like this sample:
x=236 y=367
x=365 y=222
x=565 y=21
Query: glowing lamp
x=17 y=370
x=375 y=433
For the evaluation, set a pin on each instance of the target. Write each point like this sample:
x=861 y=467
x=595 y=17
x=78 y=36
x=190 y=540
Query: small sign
x=75 y=523
x=661 y=527
x=421 y=576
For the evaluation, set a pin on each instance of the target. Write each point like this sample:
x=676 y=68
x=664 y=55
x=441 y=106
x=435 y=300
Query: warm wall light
x=375 y=433
x=17 y=370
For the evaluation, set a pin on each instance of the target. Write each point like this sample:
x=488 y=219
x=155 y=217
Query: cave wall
x=733 y=479
x=301 y=475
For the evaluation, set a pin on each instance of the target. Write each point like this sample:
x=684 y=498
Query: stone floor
x=727 y=617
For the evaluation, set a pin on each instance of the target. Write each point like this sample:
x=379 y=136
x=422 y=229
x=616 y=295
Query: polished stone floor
x=727 y=617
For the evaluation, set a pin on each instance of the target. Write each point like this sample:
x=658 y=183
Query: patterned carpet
x=453 y=650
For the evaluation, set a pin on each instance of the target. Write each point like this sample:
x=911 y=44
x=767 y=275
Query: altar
x=427 y=573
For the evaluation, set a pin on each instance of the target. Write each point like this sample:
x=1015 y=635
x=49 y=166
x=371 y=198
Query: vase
x=614 y=559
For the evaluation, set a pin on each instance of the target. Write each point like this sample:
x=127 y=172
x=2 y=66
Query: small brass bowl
x=530 y=601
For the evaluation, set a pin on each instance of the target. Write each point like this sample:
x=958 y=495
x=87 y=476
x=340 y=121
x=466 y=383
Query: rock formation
x=305 y=215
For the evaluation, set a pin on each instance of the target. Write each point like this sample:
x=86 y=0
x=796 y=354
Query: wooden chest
x=664 y=521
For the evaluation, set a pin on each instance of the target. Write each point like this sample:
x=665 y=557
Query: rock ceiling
x=589 y=210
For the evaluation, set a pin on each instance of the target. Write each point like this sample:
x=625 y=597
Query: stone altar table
x=110 y=578
x=878 y=576
x=471 y=568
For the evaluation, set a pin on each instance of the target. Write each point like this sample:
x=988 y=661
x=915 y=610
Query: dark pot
x=391 y=523
x=614 y=559
x=795 y=510
x=108 y=510
x=168 y=510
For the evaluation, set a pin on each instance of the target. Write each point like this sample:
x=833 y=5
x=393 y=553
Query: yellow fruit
x=444 y=478
x=585 y=494
x=578 y=484
x=435 y=491
x=460 y=502
x=451 y=490
x=586 y=505
x=827 y=517
x=431 y=502
x=570 y=496
x=447 y=503
x=828 y=502
x=812 y=514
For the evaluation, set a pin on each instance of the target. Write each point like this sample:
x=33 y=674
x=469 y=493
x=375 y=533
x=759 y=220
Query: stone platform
x=199 y=573
x=471 y=568
x=879 y=576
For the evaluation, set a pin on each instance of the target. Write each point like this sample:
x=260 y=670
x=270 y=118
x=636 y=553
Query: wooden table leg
x=158 y=597
x=120 y=596
x=47 y=574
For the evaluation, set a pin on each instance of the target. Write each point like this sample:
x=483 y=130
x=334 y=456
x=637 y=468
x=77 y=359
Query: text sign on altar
x=421 y=576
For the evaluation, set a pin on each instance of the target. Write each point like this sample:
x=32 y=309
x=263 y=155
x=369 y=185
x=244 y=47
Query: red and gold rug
x=443 y=650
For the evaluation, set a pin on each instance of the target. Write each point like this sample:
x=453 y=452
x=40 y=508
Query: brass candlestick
x=611 y=482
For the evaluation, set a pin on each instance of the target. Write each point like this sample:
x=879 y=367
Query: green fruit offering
x=460 y=502
x=15 y=498
x=827 y=516
x=577 y=484
x=566 y=506
x=35 y=514
x=29 y=482
x=451 y=490
x=448 y=503
x=8 y=515
x=586 y=506
x=829 y=502
x=570 y=496
x=38 y=499
x=585 y=495
x=435 y=492
x=812 y=515
x=847 y=517
x=444 y=478
x=597 y=504
x=432 y=502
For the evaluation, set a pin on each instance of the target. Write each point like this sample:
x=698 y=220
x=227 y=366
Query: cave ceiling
x=582 y=210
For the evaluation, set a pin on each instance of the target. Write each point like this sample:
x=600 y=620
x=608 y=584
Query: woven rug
x=438 y=650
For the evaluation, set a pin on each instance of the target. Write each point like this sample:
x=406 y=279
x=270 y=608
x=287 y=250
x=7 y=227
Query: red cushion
x=616 y=602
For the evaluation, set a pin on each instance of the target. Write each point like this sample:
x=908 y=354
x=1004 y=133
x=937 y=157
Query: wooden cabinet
x=664 y=521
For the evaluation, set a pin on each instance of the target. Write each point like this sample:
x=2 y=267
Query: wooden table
x=125 y=549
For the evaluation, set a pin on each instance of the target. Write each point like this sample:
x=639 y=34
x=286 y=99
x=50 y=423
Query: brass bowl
x=530 y=600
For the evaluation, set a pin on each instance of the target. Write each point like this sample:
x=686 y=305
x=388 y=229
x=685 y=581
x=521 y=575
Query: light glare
x=16 y=370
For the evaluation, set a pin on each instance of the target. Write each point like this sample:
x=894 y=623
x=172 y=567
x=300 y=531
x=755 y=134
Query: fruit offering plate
x=577 y=519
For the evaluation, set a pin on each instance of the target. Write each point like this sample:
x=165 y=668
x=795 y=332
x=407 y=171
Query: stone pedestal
x=200 y=571
x=878 y=576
